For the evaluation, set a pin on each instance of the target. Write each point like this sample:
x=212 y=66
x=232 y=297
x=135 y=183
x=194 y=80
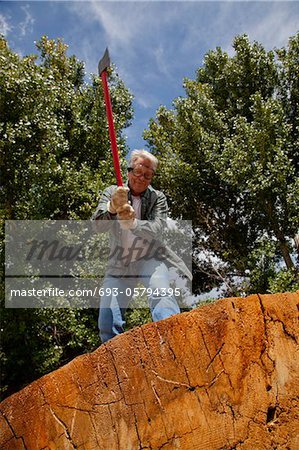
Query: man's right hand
x=118 y=200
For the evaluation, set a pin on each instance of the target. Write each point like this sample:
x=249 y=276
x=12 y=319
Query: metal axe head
x=104 y=62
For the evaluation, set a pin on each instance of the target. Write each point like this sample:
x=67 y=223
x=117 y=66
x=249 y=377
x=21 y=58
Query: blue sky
x=154 y=45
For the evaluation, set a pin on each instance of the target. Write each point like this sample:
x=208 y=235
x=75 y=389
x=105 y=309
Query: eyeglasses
x=139 y=170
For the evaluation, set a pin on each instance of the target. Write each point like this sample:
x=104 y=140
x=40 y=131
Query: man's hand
x=118 y=200
x=127 y=217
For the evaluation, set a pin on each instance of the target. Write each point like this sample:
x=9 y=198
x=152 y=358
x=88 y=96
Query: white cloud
x=5 y=26
x=26 y=26
x=270 y=24
x=162 y=62
x=118 y=21
x=274 y=29
x=132 y=32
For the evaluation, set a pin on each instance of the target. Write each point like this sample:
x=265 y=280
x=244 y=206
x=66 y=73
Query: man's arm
x=102 y=213
x=102 y=219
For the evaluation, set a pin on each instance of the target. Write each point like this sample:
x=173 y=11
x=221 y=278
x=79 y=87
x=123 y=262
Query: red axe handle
x=112 y=135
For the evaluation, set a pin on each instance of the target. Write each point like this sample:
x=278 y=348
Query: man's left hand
x=127 y=217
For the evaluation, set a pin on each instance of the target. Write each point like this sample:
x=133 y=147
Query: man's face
x=140 y=182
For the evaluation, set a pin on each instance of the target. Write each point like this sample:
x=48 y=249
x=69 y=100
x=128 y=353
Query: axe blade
x=104 y=62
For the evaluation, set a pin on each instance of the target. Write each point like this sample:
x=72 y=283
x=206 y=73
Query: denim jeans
x=153 y=274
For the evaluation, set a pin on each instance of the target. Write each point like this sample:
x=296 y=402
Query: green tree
x=55 y=151
x=229 y=152
x=55 y=159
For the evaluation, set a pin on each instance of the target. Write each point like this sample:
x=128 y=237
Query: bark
x=284 y=248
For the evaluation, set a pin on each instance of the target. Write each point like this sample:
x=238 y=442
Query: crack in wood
x=65 y=428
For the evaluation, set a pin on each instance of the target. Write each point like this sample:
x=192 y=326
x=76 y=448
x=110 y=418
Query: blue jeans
x=153 y=274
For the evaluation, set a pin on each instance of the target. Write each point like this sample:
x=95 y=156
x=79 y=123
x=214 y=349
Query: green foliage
x=205 y=302
x=55 y=160
x=229 y=160
x=54 y=135
x=261 y=266
x=285 y=280
x=135 y=317
x=37 y=341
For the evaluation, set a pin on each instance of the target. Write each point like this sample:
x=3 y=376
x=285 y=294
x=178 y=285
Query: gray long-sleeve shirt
x=149 y=228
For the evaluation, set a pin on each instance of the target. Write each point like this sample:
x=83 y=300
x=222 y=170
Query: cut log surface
x=223 y=376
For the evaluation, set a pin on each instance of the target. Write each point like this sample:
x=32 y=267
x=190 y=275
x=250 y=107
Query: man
x=139 y=214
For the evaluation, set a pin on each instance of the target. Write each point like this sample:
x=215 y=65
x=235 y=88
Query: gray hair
x=135 y=154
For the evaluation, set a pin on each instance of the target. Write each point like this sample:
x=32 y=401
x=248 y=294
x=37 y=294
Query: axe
x=103 y=66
